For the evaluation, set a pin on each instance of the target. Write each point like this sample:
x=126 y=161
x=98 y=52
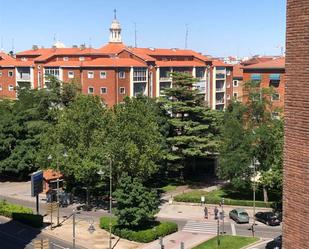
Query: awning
x=255 y=77
x=274 y=76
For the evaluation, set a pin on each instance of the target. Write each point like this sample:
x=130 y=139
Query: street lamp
x=254 y=164
x=90 y=229
x=101 y=173
x=58 y=173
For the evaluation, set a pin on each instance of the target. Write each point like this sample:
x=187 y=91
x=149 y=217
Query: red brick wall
x=5 y=81
x=296 y=149
x=265 y=82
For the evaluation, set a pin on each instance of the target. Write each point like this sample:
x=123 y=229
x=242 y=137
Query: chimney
x=74 y=46
x=82 y=47
x=35 y=47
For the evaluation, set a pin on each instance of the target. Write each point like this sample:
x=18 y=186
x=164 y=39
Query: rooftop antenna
x=187 y=34
x=115 y=14
x=90 y=41
x=135 y=36
x=1 y=48
x=54 y=38
x=13 y=47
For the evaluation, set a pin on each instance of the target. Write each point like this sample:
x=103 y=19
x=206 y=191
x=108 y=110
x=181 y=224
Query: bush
x=7 y=209
x=21 y=214
x=159 y=229
x=35 y=220
x=215 y=197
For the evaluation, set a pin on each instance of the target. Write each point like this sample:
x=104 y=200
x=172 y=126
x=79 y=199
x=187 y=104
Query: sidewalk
x=196 y=212
x=173 y=241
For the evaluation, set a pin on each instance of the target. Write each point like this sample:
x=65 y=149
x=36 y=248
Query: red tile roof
x=180 y=64
x=257 y=59
x=218 y=63
x=112 y=48
x=99 y=62
x=50 y=174
x=237 y=71
x=276 y=63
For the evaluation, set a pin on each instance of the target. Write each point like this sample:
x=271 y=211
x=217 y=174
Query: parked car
x=275 y=244
x=269 y=218
x=239 y=215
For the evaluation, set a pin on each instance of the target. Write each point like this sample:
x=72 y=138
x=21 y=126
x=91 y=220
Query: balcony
x=219 y=101
x=23 y=77
x=220 y=89
x=220 y=76
x=165 y=78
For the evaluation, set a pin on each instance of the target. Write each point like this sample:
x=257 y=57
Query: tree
x=194 y=127
x=136 y=205
x=22 y=123
x=80 y=131
x=135 y=138
x=249 y=131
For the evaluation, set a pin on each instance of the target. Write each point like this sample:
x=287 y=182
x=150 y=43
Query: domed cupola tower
x=115 y=31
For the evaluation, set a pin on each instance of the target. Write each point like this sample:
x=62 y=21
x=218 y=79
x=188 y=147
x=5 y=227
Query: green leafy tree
x=194 y=127
x=135 y=138
x=22 y=123
x=249 y=131
x=80 y=132
x=136 y=205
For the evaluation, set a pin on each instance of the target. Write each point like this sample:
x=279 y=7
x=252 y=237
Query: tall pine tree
x=193 y=125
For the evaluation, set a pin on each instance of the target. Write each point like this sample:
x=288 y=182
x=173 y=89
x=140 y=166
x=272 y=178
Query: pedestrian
x=216 y=211
x=205 y=213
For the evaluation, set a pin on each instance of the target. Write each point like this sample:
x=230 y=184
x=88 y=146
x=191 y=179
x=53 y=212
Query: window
x=228 y=86
x=235 y=83
x=121 y=75
x=122 y=90
x=102 y=75
x=103 y=90
x=0 y=87
x=11 y=88
x=65 y=58
x=274 y=83
x=235 y=95
x=275 y=97
x=10 y=73
x=52 y=71
x=275 y=115
x=81 y=58
x=228 y=96
x=70 y=74
x=90 y=90
x=139 y=74
x=228 y=72
x=90 y=74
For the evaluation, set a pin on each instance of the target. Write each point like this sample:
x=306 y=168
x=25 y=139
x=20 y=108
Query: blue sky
x=216 y=27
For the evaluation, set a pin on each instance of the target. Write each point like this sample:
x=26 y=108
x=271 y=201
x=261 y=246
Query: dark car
x=239 y=215
x=269 y=218
x=275 y=244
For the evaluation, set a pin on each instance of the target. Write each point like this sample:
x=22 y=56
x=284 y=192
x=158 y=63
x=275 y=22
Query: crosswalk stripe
x=200 y=227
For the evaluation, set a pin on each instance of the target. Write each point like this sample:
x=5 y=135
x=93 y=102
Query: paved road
x=14 y=235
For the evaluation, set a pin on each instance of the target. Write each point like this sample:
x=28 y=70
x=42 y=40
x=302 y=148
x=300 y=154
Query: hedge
x=7 y=209
x=195 y=197
x=35 y=220
x=21 y=214
x=160 y=229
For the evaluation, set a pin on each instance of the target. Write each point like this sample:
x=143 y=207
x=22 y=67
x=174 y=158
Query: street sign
x=36 y=183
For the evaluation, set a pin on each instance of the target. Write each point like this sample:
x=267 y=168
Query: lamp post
x=255 y=163
x=90 y=229
x=101 y=173
x=57 y=195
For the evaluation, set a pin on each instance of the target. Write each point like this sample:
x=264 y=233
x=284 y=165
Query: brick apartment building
x=114 y=70
x=270 y=73
x=296 y=144
x=237 y=83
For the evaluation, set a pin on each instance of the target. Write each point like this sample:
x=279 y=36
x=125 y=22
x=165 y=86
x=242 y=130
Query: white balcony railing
x=23 y=76
x=219 y=101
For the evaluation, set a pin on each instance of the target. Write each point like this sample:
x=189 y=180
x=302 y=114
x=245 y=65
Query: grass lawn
x=168 y=188
x=227 y=242
x=214 y=197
